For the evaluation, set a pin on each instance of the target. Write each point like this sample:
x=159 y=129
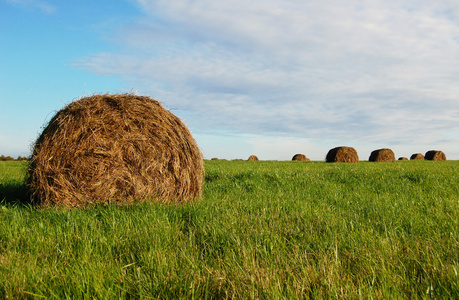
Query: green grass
x=267 y=230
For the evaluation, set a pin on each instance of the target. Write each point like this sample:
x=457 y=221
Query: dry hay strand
x=417 y=156
x=300 y=157
x=114 y=149
x=382 y=155
x=253 y=158
x=435 y=155
x=342 y=154
x=403 y=158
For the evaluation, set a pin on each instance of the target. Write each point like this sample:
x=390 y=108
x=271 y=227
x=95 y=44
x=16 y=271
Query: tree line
x=9 y=158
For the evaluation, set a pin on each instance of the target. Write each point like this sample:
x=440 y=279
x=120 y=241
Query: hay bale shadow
x=14 y=194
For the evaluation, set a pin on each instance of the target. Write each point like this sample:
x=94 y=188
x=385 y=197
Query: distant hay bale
x=300 y=157
x=435 y=155
x=403 y=158
x=382 y=155
x=253 y=158
x=114 y=149
x=417 y=156
x=342 y=154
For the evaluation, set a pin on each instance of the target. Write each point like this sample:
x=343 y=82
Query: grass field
x=268 y=230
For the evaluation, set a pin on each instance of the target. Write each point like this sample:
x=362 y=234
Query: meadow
x=262 y=230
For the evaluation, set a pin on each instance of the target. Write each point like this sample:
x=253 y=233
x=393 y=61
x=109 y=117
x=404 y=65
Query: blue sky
x=271 y=78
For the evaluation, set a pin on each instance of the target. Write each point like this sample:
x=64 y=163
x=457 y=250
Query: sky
x=272 y=78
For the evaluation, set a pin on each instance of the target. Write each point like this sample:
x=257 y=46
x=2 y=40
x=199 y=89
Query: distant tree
x=6 y=158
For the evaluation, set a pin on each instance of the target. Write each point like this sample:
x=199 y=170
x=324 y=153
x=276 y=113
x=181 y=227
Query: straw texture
x=300 y=157
x=382 y=155
x=342 y=154
x=115 y=149
x=435 y=155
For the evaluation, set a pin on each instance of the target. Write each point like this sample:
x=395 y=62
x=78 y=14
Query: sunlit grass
x=262 y=230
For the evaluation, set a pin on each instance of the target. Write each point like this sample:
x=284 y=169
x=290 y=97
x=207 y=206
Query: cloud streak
x=34 y=4
x=372 y=71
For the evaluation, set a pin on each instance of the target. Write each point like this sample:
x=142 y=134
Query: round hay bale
x=403 y=158
x=435 y=155
x=417 y=156
x=253 y=158
x=300 y=157
x=382 y=155
x=114 y=149
x=342 y=154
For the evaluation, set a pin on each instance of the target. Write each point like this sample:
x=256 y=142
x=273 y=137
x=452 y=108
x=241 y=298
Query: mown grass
x=268 y=230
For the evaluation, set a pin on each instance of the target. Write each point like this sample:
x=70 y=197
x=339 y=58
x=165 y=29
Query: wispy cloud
x=360 y=70
x=34 y=4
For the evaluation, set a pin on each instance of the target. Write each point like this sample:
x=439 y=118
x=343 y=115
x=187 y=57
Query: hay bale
x=114 y=149
x=342 y=154
x=253 y=158
x=382 y=155
x=403 y=158
x=417 y=156
x=435 y=155
x=300 y=157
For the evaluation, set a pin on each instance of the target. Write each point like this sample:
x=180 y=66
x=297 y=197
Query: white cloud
x=355 y=70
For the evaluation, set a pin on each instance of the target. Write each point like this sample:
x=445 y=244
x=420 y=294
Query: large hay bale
x=300 y=157
x=435 y=155
x=253 y=158
x=115 y=149
x=403 y=158
x=382 y=155
x=417 y=156
x=342 y=154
